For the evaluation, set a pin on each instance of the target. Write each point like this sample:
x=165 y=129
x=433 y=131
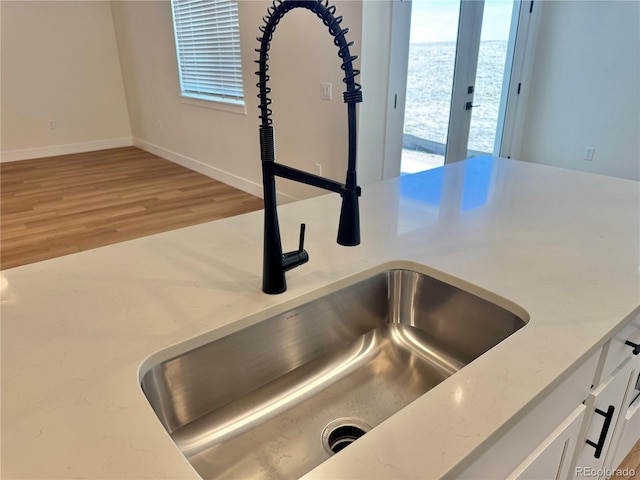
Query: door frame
x=397 y=87
x=464 y=79
x=516 y=98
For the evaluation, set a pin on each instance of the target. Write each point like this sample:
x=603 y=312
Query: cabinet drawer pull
x=608 y=416
x=635 y=346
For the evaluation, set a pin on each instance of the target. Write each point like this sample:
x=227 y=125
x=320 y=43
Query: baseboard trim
x=67 y=149
x=213 y=172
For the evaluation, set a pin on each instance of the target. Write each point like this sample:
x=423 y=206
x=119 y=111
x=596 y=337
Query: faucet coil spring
x=326 y=13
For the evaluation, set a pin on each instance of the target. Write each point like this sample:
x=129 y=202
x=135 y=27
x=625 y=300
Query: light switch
x=588 y=153
x=327 y=93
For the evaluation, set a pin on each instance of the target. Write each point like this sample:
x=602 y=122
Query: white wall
x=59 y=63
x=376 y=56
x=222 y=144
x=585 y=88
x=384 y=80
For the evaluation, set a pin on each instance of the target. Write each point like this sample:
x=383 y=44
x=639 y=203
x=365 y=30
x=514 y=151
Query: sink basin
x=279 y=397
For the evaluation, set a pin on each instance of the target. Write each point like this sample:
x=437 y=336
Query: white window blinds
x=208 y=46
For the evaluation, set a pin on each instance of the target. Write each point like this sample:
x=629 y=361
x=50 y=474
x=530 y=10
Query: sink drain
x=341 y=433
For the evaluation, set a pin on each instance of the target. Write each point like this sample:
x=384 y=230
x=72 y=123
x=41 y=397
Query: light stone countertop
x=563 y=245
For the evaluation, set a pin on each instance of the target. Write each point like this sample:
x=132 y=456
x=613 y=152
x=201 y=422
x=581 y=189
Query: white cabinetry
x=629 y=433
x=552 y=458
x=606 y=410
x=612 y=423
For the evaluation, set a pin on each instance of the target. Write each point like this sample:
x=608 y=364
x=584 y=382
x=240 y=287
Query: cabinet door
x=551 y=459
x=604 y=405
x=628 y=431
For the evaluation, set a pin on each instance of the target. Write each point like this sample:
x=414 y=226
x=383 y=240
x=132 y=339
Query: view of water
x=429 y=86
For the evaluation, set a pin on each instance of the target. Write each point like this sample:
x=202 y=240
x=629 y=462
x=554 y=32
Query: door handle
x=608 y=416
x=635 y=346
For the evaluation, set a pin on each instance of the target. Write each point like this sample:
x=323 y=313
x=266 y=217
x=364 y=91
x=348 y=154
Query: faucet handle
x=297 y=257
x=301 y=242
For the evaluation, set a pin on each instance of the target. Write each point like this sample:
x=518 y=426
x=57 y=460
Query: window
x=208 y=46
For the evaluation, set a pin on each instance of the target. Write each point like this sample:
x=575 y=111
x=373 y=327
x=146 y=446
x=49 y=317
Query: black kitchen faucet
x=275 y=263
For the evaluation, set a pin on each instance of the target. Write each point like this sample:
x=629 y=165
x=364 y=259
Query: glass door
x=464 y=79
x=458 y=56
x=432 y=52
x=495 y=58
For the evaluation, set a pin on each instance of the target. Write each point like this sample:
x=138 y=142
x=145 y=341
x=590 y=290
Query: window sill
x=214 y=105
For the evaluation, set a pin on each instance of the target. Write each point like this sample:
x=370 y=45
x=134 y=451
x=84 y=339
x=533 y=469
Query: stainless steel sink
x=279 y=397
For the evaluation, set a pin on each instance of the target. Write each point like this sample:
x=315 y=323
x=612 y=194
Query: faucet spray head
x=349 y=227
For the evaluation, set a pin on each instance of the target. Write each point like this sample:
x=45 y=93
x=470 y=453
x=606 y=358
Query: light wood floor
x=60 y=205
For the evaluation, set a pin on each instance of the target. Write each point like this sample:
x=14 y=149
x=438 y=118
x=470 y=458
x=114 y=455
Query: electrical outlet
x=588 y=153
x=52 y=125
x=318 y=169
x=327 y=93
